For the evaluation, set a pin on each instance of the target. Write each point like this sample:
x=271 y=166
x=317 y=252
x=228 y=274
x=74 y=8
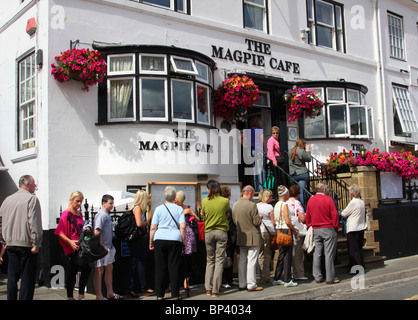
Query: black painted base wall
x=51 y=254
x=398 y=229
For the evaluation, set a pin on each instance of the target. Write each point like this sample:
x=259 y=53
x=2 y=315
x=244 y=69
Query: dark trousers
x=167 y=254
x=138 y=266
x=284 y=262
x=71 y=275
x=22 y=266
x=355 y=240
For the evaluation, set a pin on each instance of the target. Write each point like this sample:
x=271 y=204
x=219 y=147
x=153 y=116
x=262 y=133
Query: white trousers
x=247 y=267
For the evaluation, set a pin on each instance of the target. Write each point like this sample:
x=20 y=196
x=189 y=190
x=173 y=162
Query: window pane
x=153 y=98
x=324 y=36
x=338 y=119
x=324 y=13
x=202 y=104
x=164 y=3
x=358 y=121
x=335 y=94
x=260 y=2
x=121 y=64
x=315 y=127
x=183 y=64
x=121 y=99
x=150 y=63
x=253 y=17
x=182 y=100
x=353 y=96
x=263 y=100
x=202 y=71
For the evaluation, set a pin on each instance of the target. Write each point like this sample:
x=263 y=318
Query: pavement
x=392 y=270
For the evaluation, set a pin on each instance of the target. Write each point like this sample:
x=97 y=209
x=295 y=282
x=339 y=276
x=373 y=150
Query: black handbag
x=90 y=248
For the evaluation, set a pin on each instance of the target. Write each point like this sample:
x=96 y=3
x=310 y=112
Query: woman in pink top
x=273 y=154
x=68 y=231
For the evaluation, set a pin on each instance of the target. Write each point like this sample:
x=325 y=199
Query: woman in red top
x=68 y=231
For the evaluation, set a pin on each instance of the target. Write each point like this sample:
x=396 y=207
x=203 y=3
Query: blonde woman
x=266 y=211
x=284 y=224
x=69 y=228
x=139 y=246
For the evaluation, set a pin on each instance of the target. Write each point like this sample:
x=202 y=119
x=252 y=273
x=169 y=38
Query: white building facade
x=145 y=122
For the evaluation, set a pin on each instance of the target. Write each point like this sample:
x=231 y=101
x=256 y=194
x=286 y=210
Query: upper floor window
x=404 y=119
x=255 y=14
x=326 y=23
x=175 y=5
x=26 y=102
x=156 y=86
x=396 y=38
x=345 y=114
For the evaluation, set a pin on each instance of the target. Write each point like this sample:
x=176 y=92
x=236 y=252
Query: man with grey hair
x=22 y=232
x=322 y=216
x=248 y=221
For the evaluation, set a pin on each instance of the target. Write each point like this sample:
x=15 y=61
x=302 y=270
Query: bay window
x=156 y=83
x=345 y=115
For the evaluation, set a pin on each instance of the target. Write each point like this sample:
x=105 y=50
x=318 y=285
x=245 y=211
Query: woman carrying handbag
x=284 y=228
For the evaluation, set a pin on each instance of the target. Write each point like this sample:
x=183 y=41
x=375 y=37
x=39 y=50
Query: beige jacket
x=21 y=220
x=248 y=221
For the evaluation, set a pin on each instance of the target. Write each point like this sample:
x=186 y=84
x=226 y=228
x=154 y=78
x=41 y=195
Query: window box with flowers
x=303 y=100
x=233 y=97
x=83 y=65
x=403 y=163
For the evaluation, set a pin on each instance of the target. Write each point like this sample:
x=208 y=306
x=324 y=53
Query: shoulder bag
x=282 y=239
x=273 y=240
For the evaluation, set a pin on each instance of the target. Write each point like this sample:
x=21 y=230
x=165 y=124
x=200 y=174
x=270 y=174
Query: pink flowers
x=80 y=65
x=404 y=163
x=303 y=100
x=233 y=97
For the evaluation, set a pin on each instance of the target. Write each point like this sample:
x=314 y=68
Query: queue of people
x=245 y=228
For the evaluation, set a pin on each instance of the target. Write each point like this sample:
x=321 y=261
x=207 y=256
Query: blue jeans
x=138 y=251
x=303 y=181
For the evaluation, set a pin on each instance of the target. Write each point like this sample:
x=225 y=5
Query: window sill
x=207 y=126
x=25 y=155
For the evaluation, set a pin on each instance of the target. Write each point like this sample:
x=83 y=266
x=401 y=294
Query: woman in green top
x=214 y=211
x=300 y=154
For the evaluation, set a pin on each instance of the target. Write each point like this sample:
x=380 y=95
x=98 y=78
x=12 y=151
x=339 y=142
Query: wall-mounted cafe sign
x=257 y=54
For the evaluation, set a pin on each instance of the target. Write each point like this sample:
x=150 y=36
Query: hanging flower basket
x=233 y=97
x=404 y=163
x=80 y=65
x=304 y=100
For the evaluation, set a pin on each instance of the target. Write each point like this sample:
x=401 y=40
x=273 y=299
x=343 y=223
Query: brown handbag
x=273 y=242
x=282 y=239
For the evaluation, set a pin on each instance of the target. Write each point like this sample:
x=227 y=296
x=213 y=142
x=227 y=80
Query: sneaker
x=290 y=284
x=226 y=286
x=302 y=278
x=277 y=282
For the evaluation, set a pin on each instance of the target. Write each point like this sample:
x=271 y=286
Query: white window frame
x=25 y=102
x=322 y=111
x=366 y=114
x=267 y=93
x=117 y=73
x=191 y=101
x=171 y=7
x=256 y=5
x=161 y=72
x=396 y=37
x=404 y=108
x=197 y=104
x=347 y=121
x=141 y=117
x=183 y=71
x=337 y=34
x=198 y=77
x=333 y=101
x=109 y=119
